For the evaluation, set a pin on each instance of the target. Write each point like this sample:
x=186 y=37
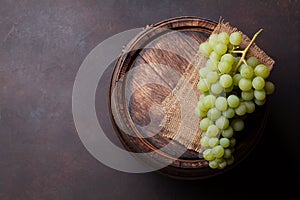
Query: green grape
x=237 y=124
x=228 y=113
x=209 y=101
x=247 y=95
x=252 y=61
x=227 y=152
x=223 y=38
x=205 y=49
x=212 y=142
x=241 y=109
x=205 y=123
x=227 y=133
x=213 y=39
x=201 y=106
x=269 y=87
x=222 y=122
x=214 y=56
x=208 y=154
x=235 y=38
x=213 y=114
x=262 y=70
x=220 y=48
x=200 y=113
x=226 y=80
x=222 y=164
x=216 y=88
x=203 y=72
x=250 y=106
x=232 y=142
x=230 y=160
x=260 y=95
x=236 y=79
x=221 y=103
x=212 y=65
x=218 y=151
x=258 y=83
x=228 y=58
x=245 y=84
x=224 y=67
x=242 y=66
x=204 y=141
x=247 y=72
x=213 y=164
x=212 y=131
x=229 y=89
x=224 y=142
x=233 y=101
x=203 y=85
x=212 y=77
x=259 y=103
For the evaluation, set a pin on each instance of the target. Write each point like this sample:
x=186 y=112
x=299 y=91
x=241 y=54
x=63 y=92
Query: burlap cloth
x=185 y=129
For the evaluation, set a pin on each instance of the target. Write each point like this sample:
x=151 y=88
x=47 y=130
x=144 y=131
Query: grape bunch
x=231 y=86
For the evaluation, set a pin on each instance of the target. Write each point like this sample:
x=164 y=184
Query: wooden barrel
x=170 y=43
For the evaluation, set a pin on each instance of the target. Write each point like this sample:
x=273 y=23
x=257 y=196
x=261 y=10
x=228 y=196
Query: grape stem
x=244 y=52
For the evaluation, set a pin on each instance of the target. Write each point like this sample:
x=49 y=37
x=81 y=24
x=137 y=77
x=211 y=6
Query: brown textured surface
x=43 y=43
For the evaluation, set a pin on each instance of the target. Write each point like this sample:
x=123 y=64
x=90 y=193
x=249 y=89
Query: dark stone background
x=43 y=44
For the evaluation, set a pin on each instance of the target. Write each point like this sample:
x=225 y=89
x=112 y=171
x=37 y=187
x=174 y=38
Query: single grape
x=213 y=39
x=245 y=84
x=212 y=65
x=227 y=152
x=218 y=151
x=252 y=61
x=250 y=106
x=228 y=113
x=222 y=122
x=216 y=88
x=224 y=67
x=220 y=48
x=200 y=113
x=226 y=80
x=229 y=89
x=203 y=72
x=212 y=77
x=247 y=95
x=212 y=131
x=235 y=38
x=204 y=141
x=228 y=58
x=213 y=142
x=203 y=85
x=259 y=103
x=209 y=101
x=242 y=66
x=269 y=87
x=205 y=123
x=241 y=109
x=247 y=72
x=208 y=154
x=260 y=95
x=232 y=142
x=230 y=160
x=262 y=70
x=222 y=164
x=227 y=133
x=233 y=101
x=258 y=83
x=213 y=164
x=205 y=49
x=221 y=103
x=223 y=37
x=236 y=79
x=237 y=124
x=214 y=56
x=224 y=142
